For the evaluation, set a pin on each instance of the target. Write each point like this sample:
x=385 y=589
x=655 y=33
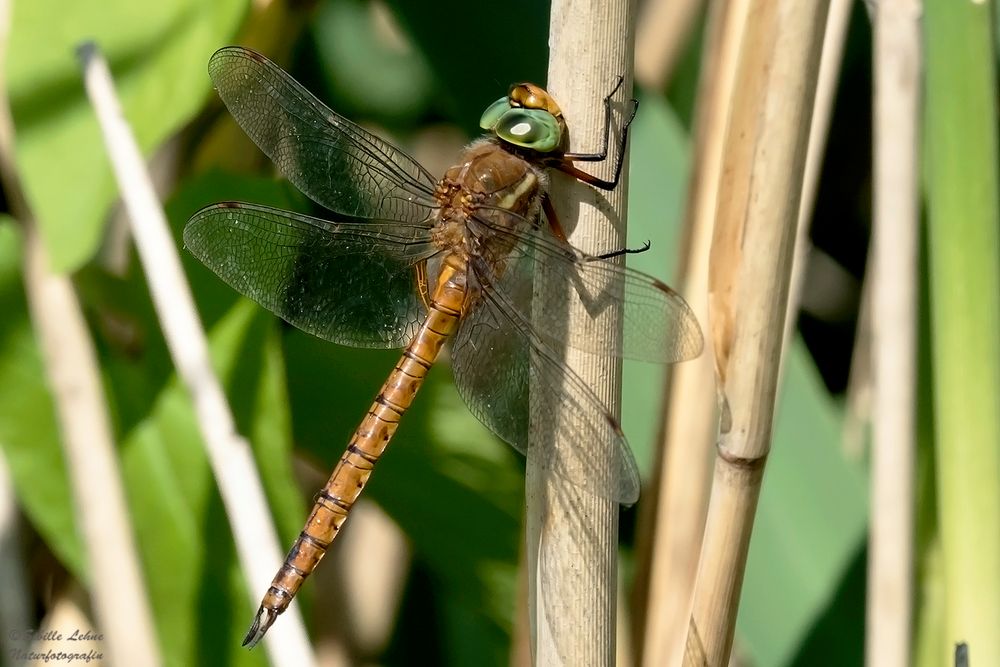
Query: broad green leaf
x=658 y=172
x=962 y=151
x=370 y=70
x=157 y=52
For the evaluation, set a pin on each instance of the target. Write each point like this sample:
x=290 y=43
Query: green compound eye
x=493 y=112
x=529 y=128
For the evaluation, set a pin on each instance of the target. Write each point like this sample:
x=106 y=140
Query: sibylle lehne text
x=55 y=636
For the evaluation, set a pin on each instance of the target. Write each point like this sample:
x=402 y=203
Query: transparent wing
x=657 y=324
x=335 y=162
x=351 y=283
x=500 y=365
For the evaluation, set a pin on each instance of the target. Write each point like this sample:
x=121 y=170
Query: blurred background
x=440 y=532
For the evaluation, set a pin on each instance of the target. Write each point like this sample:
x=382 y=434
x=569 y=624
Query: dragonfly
x=405 y=260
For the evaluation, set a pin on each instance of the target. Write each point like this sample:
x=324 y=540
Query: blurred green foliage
x=157 y=52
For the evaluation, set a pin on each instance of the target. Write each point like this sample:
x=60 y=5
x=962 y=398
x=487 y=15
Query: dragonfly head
x=527 y=117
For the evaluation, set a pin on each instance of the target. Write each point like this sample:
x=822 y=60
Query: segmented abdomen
x=335 y=500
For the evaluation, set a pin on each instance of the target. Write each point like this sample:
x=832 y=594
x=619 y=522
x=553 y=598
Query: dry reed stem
x=572 y=534
x=359 y=612
x=858 y=405
x=664 y=30
x=750 y=271
x=894 y=275
x=520 y=641
x=228 y=453
x=117 y=591
x=16 y=604
x=682 y=478
x=826 y=94
x=116 y=584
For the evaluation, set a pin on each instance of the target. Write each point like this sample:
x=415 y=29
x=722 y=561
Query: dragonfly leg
x=565 y=164
x=550 y=215
x=624 y=251
x=422 y=287
x=559 y=233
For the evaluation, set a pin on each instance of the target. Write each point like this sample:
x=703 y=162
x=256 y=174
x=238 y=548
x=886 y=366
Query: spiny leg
x=559 y=233
x=624 y=251
x=603 y=154
x=553 y=219
x=565 y=163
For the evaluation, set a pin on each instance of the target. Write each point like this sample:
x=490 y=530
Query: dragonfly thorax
x=481 y=191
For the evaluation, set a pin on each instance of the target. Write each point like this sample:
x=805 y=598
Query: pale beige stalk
x=16 y=604
x=664 y=30
x=750 y=270
x=117 y=588
x=826 y=96
x=572 y=535
x=360 y=612
x=118 y=594
x=682 y=478
x=896 y=230
x=228 y=453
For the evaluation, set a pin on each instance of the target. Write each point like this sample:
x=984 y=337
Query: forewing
x=657 y=324
x=351 y=283
x=497 y=359
x=335 y=162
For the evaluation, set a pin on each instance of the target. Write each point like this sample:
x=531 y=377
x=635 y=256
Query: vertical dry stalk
x=663 y=31
x=572 y=535
x=748 y=287
x=894 y=253
x=16 y=603
x=826 y=95
x=118 y=594
x=681 y=493
x=228 y=453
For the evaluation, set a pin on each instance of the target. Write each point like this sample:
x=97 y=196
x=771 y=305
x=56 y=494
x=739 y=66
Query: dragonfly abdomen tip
x=261 y=622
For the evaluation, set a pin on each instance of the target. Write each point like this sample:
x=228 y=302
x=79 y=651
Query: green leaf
x=369 y=72
x=658 y=171
x=158 y=53
x=962 y=149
